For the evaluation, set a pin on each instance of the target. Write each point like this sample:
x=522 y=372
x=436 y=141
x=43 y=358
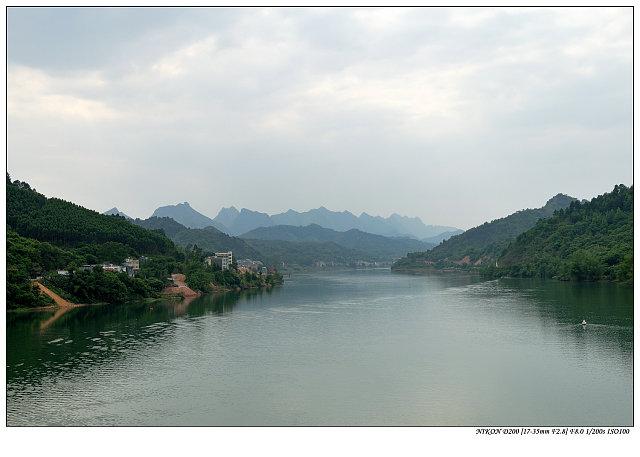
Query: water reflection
x=46 y=344
x=607 y=308
x=577 y=301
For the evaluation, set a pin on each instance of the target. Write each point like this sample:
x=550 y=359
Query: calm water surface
x=354 y=348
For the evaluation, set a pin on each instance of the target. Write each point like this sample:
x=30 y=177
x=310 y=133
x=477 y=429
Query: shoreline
x=424 y=272
x=177 y=293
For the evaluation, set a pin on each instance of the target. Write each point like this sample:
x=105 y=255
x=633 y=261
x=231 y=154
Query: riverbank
x=425 y=271
x=310 y=270
x=59 y=302
x=221 y=289
x=419 y=271
x=178 y=292
x=180 y=287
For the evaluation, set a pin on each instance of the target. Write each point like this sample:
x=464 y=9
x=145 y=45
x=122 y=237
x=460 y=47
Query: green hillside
x=49 y=234
x=482 y=245
x=209 y=239
x=168 y=226
x=270 y=252
x=33 y=215
x=213 y=240
x=375 y=246
x=586 y=241
x=308 y=253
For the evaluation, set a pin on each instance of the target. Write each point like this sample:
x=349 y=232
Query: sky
x=457 y=116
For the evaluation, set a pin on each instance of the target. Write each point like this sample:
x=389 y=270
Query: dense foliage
x=47 y=234
x=203 y=277
x=98 y=286
x=63 y=223
x=167 y=225
x=587 y=241
x=483 y=244
x=27 y=259
x=213 y=240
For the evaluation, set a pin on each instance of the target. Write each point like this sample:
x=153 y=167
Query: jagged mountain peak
x=558 y=201
x=116 y=212
x=187 y=216
x=560 y=198
x=240 y=222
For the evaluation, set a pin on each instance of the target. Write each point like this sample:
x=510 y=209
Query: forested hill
x=60 y=222
x=483 y=244
x=62 y=245
x=310 y=253
x=49 y=234
x=375 y=245
x=168 y=226
x=586 y=241
x=210 y=239
x=300 y=246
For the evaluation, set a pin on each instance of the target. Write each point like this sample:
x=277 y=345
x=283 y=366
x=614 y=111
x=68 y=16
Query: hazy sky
x=454 y=115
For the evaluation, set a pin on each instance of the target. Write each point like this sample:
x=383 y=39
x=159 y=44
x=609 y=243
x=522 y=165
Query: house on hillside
x=250 y=265
x=222 y=259
x=112 y=267
x=131 y=266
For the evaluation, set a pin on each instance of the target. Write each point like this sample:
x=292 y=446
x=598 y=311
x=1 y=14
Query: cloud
x=429 y=108
x=33 y=94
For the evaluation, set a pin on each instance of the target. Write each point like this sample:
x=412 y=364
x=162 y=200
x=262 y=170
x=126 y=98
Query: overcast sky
x=457 y=116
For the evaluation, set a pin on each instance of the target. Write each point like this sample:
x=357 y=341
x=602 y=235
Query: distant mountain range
x=237 y=222
x=187 y=216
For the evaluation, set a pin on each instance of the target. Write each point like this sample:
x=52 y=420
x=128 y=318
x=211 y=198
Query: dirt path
x=61 y=302
x=63 y=306
x=180 y=287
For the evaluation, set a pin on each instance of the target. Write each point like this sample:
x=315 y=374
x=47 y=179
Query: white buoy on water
x=584 y=322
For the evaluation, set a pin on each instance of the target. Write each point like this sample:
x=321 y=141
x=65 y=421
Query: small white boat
x=584 y=322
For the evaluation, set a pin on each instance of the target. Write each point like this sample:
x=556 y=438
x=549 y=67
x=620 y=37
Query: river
x=363 y=347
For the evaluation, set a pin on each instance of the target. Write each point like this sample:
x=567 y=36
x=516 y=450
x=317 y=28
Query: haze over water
x=366 y=347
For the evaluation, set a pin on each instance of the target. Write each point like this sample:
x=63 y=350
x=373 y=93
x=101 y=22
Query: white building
x=112 y=267
x=222 y=259
x=131 y=266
